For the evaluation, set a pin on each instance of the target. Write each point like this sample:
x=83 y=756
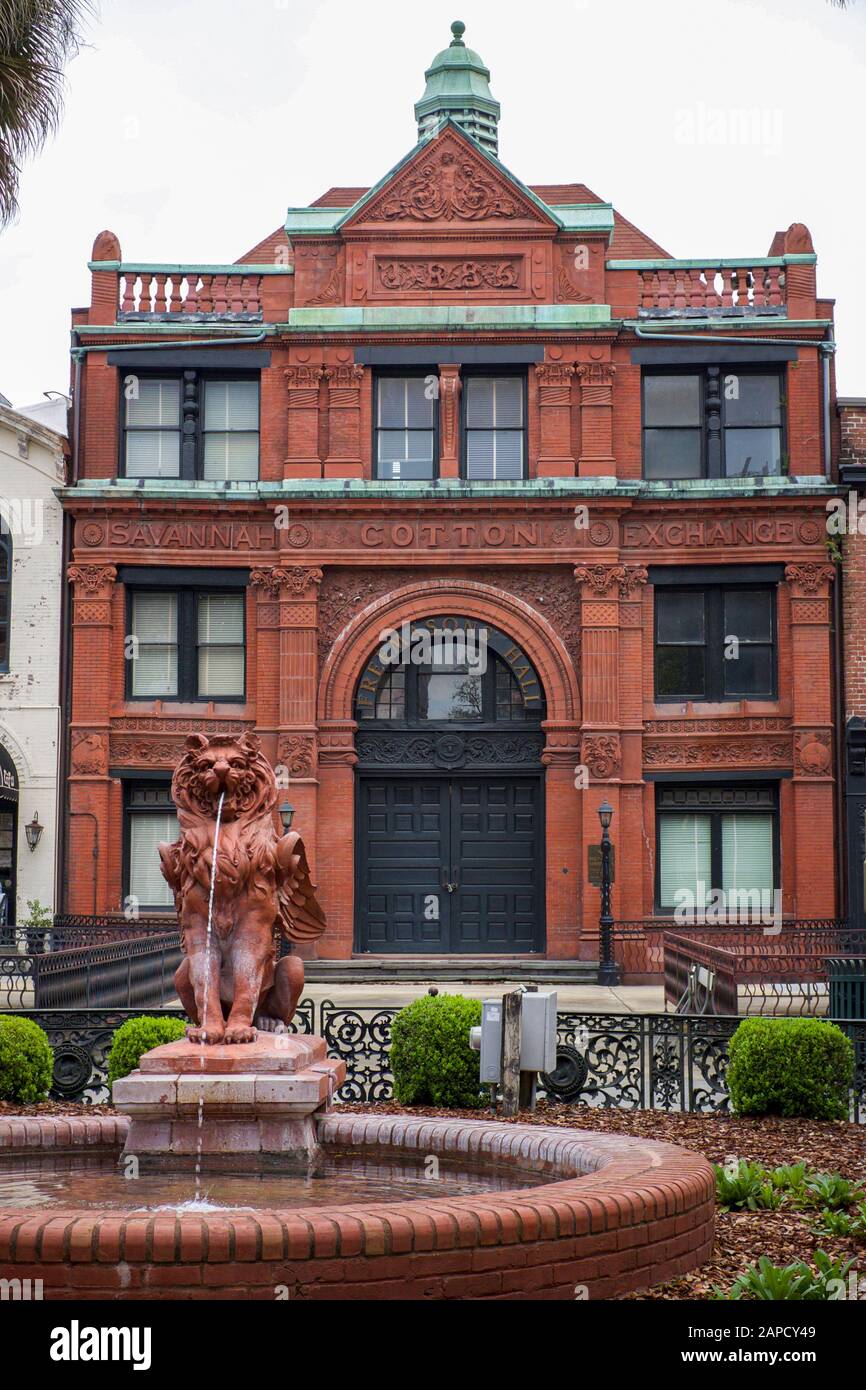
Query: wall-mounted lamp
x=33 y=830
x=286 y=813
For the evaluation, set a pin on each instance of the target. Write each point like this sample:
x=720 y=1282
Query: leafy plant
x=830 y=1190
x=26 y=1060
x=40 y=918
x=833 y=1223
x=743 y=1190
x=789 y=1176
x=790 y=1066
x=794 y=1282
x=431 y=1059
x=137 y=1036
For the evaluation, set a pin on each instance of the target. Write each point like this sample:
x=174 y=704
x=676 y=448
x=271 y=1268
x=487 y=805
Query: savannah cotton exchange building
x=459 y=401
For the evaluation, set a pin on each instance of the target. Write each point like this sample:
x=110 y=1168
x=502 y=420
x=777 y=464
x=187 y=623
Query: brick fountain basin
x=614 y=1214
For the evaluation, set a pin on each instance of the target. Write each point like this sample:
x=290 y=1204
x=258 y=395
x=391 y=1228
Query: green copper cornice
x=454 y=316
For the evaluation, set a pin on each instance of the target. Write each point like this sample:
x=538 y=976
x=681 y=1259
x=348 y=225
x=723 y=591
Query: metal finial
x=458 y=29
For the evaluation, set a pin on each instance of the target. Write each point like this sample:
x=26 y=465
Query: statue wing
x=300 y=916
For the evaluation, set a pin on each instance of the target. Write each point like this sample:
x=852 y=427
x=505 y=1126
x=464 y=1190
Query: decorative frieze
x=743 y=752
x=449 y=273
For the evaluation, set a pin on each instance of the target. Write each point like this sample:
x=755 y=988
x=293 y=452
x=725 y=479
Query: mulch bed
x=741 y=1237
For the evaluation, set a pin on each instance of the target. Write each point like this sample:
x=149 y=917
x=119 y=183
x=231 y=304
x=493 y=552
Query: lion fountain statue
x=261 y=891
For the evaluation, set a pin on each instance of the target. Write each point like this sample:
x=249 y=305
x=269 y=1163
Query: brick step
x=423 y=970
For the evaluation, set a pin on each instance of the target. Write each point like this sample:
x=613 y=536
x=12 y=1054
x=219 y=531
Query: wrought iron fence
x=671 y=1062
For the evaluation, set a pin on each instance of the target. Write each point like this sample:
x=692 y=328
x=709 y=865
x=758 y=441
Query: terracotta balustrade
x=747 y=287
x=202 y=290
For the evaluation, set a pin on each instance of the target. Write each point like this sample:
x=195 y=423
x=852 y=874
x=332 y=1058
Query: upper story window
x=493 y=435
x=714 y=643
x=407 y=427
x=5 y=597
x=494 y=427
x=712 y=423
x=221 y=446
x=189 y=645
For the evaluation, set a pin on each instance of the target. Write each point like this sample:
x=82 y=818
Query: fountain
x=241 y=1089
x=296 y=1196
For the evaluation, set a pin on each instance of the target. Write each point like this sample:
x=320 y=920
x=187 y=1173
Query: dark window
x=406 y=426
x=221 y=439
x=453 y=694
x=5 y=597
x=189 y=645
x=494 y=415
x=150 y=820
x=715 y=643
x=716 y=423
x=717 y=838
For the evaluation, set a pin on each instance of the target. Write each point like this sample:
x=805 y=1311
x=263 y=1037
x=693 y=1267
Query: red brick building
x=462 y=401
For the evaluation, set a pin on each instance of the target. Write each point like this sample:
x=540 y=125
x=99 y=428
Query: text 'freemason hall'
x=459 y=403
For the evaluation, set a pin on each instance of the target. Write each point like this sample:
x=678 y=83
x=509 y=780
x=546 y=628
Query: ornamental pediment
x=449 y=185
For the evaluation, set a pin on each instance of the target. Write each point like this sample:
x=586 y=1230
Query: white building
x=31 y=580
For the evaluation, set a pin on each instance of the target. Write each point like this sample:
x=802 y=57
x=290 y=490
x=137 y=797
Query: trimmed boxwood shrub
x=137 y=1036
x=431 y=1059
x=790 y=1066
x=26 y=1060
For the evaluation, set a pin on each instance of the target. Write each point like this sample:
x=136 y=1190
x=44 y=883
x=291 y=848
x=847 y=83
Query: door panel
x=484 y=835
x=404 y=829
x=496 y=841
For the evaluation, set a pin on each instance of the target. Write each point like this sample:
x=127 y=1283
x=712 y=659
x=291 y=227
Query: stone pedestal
x=258 y=1104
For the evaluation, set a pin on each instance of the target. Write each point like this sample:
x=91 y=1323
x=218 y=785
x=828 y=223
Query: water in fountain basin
x=203 y=1019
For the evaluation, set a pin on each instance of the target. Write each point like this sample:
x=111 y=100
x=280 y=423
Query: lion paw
x=266 y=1024
x=205 y=1035
x=240 y=1034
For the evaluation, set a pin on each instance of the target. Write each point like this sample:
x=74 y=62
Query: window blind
x=154 y=625
x=685 y=858
x=146 y=832
x=220 y=644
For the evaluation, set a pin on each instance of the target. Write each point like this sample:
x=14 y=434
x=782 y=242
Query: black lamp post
x=608 y=972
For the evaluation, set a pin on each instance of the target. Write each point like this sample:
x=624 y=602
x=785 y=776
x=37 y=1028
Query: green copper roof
x=458 y=85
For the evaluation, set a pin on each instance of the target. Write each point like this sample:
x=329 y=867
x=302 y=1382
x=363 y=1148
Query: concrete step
x=423 y=970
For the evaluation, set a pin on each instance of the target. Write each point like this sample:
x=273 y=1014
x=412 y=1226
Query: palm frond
x=37 y=39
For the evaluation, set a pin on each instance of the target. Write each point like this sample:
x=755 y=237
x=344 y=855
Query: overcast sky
x=191 y=126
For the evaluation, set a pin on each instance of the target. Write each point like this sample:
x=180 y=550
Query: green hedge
x=26 y=1061
x=431 y=1059
x=790 y=1066
x=137 y=1036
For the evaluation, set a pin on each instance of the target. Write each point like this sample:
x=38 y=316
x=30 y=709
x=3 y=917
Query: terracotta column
x=90 y=825
x=563 y=812
x=336 y=870
x=302 y=385
x=449 y=416
x=812 y=874
x=345 y=383
x=555 y=458
x=596 y=419
x=612 y=723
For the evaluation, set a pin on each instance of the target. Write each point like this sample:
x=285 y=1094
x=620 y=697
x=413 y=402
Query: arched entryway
x=527 y=628
x=449 y=823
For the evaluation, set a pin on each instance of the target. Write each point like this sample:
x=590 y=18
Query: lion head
x=225 y=766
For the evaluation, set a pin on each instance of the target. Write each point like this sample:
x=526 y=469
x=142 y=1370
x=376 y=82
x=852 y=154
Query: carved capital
x=92 y=581
x=602 y=754
x=297 y=753
x=813 y=753
x=346 y=377
x=337 y=744
x=554 y=373
x=285 y=583
x=596 y=376
x=600 y=578
x=303 y=378
x=810 y=577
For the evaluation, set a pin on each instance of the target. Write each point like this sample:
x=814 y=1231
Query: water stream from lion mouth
x=203 y=1019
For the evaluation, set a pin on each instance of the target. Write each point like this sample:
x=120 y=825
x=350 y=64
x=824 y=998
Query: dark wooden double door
x=451 y=865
